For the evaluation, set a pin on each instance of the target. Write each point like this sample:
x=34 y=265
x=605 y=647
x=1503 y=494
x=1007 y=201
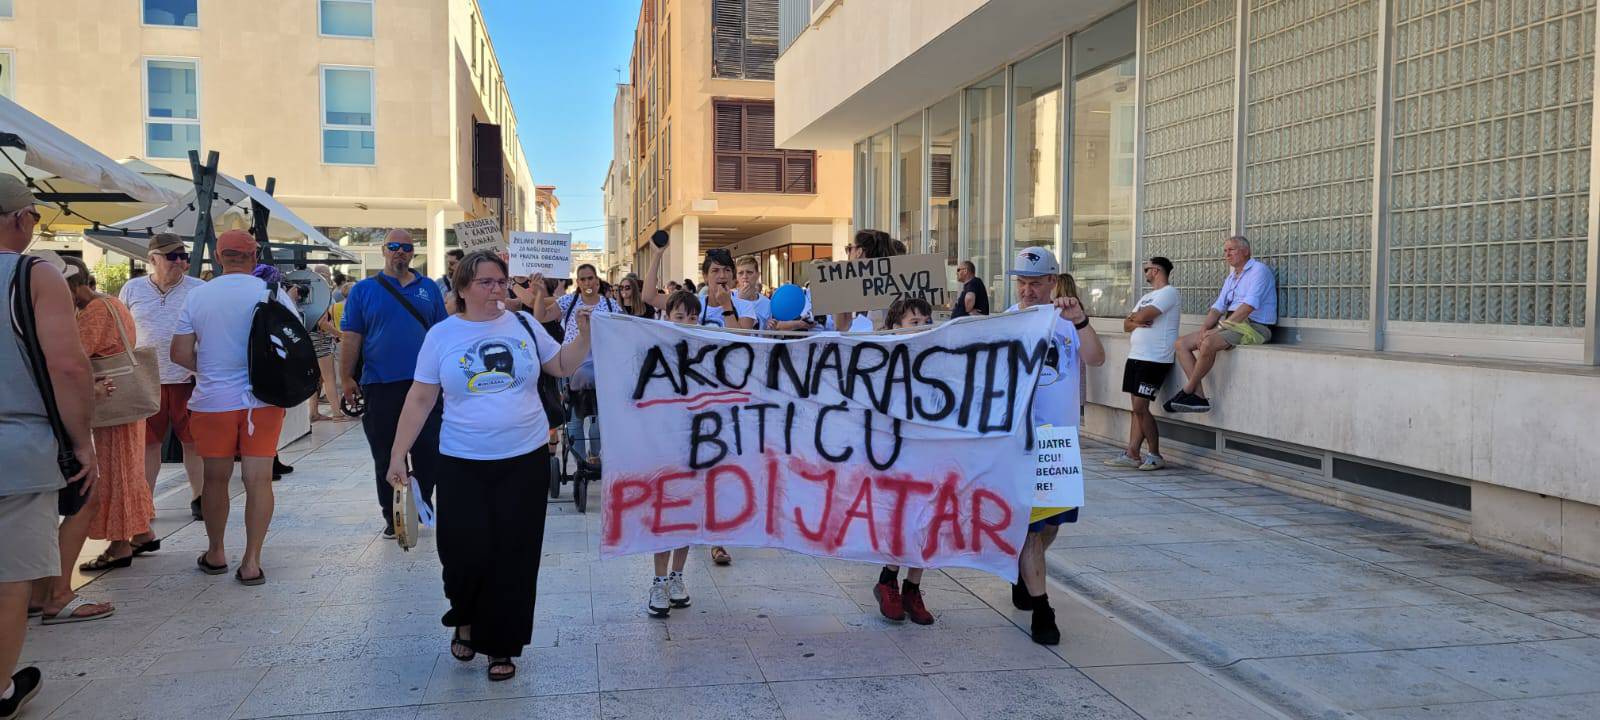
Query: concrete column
x=841 y=237
x=683 y=254
x=435 y=226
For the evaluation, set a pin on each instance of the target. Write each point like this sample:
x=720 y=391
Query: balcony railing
x=794 y=16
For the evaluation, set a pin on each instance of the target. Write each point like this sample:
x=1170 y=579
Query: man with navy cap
x=1055 y=403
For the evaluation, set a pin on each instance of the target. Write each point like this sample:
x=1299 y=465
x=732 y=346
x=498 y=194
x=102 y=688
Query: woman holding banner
x=898 y=603
x=494 y=465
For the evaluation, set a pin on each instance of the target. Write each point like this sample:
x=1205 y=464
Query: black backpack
x=283 y=363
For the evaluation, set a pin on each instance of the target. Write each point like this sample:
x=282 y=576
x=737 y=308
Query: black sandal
x=501 y=663
x=149 y=547
x=106 y=562
x=457 y=645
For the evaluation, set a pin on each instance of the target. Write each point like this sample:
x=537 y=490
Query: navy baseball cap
x=1035 y=262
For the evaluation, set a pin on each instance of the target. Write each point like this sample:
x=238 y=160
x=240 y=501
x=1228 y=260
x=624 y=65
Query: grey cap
x=1035 y=262
x=14 y=194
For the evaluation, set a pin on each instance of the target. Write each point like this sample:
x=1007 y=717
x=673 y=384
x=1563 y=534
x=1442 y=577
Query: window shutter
x=799 y=172
x=940 y=170
x=728 y=173
x=729 y=127
x=727 y=38
x=758 y=130
x=764 y=173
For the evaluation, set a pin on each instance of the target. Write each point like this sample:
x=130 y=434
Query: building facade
x=618 y=188
x=368 y=113
x=1418 y=175
x=545 y=208
x=705 y=166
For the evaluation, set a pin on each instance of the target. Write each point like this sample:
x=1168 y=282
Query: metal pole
x=1382 y=145
x=205 y=238
x=1241 y=106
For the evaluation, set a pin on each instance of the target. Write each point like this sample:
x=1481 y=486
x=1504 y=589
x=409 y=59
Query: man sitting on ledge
x=1243 y=314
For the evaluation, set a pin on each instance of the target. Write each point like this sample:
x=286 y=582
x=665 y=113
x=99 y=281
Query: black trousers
x=491 y=534
x=384 y=403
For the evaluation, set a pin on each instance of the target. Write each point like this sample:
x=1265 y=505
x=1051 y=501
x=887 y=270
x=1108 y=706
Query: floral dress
x=120 y=505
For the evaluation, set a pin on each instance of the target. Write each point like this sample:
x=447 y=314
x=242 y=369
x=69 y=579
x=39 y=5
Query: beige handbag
x=405 y=517
x=138 y=381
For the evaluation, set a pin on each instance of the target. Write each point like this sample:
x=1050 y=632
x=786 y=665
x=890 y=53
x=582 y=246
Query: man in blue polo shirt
x=385 y=319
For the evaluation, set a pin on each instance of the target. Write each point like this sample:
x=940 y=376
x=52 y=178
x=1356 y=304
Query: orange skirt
x=120 y=505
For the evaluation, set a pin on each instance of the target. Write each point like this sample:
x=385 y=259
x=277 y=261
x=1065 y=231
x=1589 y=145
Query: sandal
x=149 y=547
x=460 y=650
x=69 y=612
x=720 y=556
x=502 y=663
x=106 y=562
x=208 y=568
x=34 y=611
x=259 y=579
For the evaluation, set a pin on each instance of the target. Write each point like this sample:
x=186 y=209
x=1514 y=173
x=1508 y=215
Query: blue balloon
x=788 y=301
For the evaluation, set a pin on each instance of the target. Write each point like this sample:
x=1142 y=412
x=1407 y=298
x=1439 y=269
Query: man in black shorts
x=1152 y=328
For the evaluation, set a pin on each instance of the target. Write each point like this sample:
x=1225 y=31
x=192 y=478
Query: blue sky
x=560 y=58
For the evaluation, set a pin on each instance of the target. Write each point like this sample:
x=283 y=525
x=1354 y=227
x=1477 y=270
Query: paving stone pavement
x=1294 y=606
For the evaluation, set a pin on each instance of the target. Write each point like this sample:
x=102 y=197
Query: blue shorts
x=1070 y=516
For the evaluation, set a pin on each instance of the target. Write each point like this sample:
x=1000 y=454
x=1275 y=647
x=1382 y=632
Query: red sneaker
x=889 y=601
x=912 y=599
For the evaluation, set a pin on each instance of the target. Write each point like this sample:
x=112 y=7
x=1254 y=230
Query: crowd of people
x=452 y=375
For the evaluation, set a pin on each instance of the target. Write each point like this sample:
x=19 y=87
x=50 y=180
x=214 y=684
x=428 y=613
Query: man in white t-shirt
x=156 y=300
x=1055 y=403
x=1153 y=329
x=213 y=340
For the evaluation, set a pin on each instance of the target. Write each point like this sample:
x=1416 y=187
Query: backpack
x=283 y=363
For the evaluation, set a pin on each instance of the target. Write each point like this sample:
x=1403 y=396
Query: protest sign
x=910 y=449
x=864 y=285
x=536 y=253
x=482 y=234
x=1058 y=468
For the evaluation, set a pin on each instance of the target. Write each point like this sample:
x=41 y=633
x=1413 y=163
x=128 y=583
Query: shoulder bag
x=549 y=388
x=138 y=377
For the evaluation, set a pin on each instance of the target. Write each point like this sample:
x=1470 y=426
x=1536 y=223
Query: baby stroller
x=578 y=462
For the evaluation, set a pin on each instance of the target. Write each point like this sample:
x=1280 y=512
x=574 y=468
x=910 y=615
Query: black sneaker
x=279 y=469
x=1171 y=405
x=194 y=509
x=1020 y=599
x=388 y=531
x=1193 y=403
x=1045 y=631
x=26 y=682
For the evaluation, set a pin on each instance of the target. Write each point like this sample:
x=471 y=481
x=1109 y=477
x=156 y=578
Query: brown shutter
x=940 y=169
x=764 y=173
x=758 y=130
x=799 y=172
x=727 y=38
x=728 y=173
x=729 y=127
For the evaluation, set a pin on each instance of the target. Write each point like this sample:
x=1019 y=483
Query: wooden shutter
x=799 y=172
x=729 y=128
x=940 y=170
x=729 y=173
x=727 y=38
x=758 y=127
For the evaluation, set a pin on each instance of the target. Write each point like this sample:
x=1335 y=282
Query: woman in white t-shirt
x=494 y=465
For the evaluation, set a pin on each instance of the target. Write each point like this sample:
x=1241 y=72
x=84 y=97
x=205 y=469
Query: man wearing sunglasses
x=156 y=300
x=385 y=319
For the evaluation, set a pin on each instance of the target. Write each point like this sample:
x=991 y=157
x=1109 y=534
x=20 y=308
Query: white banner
x=481 y=234
x=907 y=449
x=1058 y=468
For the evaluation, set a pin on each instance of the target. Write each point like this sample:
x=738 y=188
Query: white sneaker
x=1123 y=461
x=676 y=592
x=1153 y=462
x=659 y=605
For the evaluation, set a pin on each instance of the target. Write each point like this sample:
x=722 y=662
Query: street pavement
x=1180 y=595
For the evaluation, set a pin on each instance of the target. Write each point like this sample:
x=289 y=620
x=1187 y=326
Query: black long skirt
x=491 y=535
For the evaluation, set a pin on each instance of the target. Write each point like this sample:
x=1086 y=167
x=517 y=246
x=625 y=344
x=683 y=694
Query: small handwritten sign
x=865 y=285
x=1057 y=468
x=482 y=234
x=536 y=253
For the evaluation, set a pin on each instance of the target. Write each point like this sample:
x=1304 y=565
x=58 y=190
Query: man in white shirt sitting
x=1153 y=329
x=1243 y=314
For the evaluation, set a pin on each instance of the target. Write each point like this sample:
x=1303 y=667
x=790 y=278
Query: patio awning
x=66 y=172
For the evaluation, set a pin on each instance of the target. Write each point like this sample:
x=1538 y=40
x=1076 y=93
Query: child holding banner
x=905 y=601
x=667 y=591
x=1055 y=403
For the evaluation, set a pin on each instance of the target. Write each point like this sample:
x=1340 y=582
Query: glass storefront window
x=881 y=155
x=908 y=227
x=1102 y=187
x=862 y=165
x=1036 y=159
x=985 y=153
x=944 y=135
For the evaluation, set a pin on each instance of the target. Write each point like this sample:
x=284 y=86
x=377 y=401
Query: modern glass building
x=1417 y=173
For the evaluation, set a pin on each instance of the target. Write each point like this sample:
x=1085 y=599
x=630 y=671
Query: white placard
x=1057 y=468
x=482 y=234
x=536 y=253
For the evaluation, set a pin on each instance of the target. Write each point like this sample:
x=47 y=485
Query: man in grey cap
x=1055 y=403
x=32 y=478
x=156 y=300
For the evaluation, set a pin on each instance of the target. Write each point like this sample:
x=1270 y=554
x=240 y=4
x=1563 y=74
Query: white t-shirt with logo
x=1154 y=343
x=218 y=314
x=155 y=314
x=489 y=373
x=1055 y=403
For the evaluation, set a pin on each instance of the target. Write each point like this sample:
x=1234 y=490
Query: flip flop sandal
x=149 y=547
x=208 y=568
x=502 y=676
x=35 y=611
x=457 y=645
x=720 y=556
x=69 y=614
x=259 y=579
x=106 y=562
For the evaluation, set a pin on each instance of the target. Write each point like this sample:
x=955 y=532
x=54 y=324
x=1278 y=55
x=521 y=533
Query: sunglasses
x=177 y=255
x=33 y=213
x=401 y=247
